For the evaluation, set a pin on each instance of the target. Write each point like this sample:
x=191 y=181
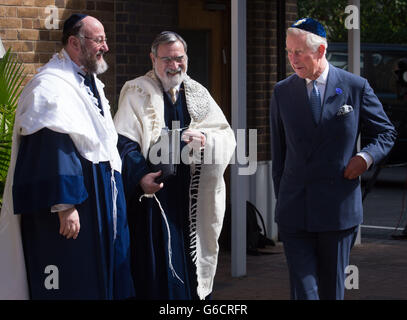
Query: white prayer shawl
x=57 y=99
x=140 y=117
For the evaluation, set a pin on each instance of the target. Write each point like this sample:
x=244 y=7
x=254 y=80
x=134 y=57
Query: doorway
x=205 y=26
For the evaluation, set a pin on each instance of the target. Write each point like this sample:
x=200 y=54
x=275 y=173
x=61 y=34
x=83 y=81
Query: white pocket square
x=344 y=110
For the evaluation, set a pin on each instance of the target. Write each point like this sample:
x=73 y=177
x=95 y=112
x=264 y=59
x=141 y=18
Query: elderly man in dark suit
x=316 y=117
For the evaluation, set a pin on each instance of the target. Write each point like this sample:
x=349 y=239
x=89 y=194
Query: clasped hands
x=194 y=138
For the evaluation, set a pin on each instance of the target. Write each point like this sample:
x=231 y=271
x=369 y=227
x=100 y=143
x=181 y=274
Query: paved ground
x=382 y=275
x=381 y=261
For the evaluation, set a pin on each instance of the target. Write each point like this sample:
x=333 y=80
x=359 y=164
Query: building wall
x=23 y=27
x=130 y=27
x=262 y=66
x=137 y=24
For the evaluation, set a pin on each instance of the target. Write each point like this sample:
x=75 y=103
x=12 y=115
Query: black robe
x=149 y=238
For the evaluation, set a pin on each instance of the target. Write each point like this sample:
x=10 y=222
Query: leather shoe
x=399 y=236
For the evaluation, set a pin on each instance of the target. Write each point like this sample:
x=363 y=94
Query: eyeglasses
x=98 y=41
x=179 y=59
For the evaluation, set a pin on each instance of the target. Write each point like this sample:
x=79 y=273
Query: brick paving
x=382 y=266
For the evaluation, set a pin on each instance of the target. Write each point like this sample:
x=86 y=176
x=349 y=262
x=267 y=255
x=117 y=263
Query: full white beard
x=170 y=82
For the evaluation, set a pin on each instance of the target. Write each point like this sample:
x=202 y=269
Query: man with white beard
x=174 y=221
x=64 y=182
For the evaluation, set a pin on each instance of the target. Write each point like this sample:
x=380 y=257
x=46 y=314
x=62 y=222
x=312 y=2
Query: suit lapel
x=332 y=102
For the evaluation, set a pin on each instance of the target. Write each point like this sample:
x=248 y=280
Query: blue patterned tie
x=315 y=100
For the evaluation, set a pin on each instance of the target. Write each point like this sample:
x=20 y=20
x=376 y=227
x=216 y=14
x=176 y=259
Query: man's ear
x=152 y=58
x=321 y=50
x=74 y=43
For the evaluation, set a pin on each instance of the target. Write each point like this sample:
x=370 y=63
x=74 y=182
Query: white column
x=354 y=63
x=354 y=42
x=239 y=183
x=272 y=227
x=2 y=50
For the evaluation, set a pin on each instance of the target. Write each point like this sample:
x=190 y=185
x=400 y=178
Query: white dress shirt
x=321 y=84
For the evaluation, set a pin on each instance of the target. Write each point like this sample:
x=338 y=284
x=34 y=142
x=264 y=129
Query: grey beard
x=101 y=67
x=169 y=83
x=91 y=64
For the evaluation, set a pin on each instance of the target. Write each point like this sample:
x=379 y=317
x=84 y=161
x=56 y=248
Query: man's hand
x=148 y=183
x=194 y=136
x=69 y=223
x=355 y=168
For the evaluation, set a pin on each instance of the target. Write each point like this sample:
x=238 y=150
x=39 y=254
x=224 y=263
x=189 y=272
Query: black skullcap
x=310 y=25
x=72 y=21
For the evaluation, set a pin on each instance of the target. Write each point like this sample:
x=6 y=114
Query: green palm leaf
x=11 y=78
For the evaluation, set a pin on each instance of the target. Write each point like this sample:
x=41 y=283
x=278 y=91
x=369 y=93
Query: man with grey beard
x=65 y=182
x=175 y=220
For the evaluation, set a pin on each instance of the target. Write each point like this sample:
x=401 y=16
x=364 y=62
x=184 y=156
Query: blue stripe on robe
x=50 y=171
x=148 y=234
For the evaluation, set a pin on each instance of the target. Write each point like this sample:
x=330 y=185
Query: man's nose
x=173 y=64
x=105 y=47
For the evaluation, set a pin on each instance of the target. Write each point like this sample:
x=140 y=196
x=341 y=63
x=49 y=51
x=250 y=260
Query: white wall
x=2 y=50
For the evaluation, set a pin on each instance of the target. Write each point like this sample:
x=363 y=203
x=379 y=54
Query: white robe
x=140 y=118
x=56 y=98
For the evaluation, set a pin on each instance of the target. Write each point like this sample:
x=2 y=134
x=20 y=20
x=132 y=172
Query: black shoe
x=399 y=236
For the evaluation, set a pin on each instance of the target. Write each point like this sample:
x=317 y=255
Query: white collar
x=76 y=68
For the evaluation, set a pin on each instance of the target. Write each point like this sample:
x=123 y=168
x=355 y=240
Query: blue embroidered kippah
x=72 y=20
x=310 y=25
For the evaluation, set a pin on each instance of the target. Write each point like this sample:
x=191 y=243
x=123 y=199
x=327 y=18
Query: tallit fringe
x=193 y=205
x=114 y=199
x=174 y=273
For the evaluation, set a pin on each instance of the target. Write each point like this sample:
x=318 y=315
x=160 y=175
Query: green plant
x=11 y=77
x=381 y=21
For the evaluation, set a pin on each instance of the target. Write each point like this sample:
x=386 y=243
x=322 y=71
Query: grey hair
x=313 y=41
x=167 y=37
